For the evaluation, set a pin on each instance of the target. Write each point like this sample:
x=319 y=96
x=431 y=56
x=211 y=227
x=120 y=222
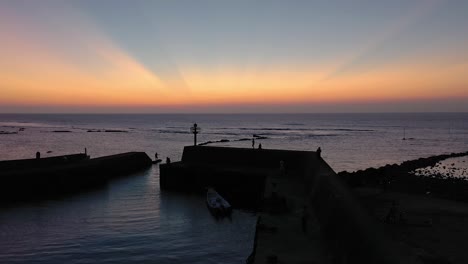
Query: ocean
x=131 y=220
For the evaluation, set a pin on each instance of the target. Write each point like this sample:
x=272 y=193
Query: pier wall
x=350 y=232
x=62 y=177
x=294 y=161
x=7 y=165
x=237 y=173
x=240 y=187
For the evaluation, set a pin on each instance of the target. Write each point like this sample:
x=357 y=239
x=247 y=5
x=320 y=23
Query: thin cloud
x=419 y=11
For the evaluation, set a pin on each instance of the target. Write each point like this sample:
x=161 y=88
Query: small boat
x=217 y=204
x=156 y=161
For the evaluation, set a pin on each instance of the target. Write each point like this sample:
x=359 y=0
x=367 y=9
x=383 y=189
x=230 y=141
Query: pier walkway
x=280 y=236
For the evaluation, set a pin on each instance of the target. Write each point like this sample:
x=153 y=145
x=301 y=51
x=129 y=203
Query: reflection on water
x=129 y=221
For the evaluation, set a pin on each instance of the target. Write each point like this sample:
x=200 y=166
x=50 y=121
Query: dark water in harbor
x=131 y=221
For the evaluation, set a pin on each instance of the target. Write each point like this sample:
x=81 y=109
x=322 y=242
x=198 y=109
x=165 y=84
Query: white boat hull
x=217 y=204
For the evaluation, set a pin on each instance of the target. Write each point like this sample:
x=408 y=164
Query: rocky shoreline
x=256 y=137
x=401 y=178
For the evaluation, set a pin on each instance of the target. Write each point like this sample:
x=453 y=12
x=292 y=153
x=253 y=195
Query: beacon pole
x=195 y=130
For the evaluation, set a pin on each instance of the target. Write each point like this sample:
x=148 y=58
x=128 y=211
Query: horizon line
x=236 y=113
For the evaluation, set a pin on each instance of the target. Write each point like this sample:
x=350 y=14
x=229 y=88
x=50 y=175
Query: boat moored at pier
x=217 y=204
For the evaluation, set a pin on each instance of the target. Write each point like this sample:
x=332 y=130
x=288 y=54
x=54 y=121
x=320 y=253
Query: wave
x=322 y=135
x=221 y=133
x=295 y=129
x=348 y=129
x=294 y=124
x=28 y=124
x=167 y=131
x=276 y=132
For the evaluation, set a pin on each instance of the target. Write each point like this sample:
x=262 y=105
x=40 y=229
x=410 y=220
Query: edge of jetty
x=401 y=178
x=34 y=178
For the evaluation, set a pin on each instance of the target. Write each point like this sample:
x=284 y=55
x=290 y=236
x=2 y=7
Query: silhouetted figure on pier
x=391 y=217
x=156 y=156
x=305 y=218
x=319 y=152
x=260 y=146
x=272 y=259
x=168 y=160
x=253 y=142
x=282 y=168
x=38 y=155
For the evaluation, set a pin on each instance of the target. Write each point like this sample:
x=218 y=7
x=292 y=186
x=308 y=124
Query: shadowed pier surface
x=281 y=236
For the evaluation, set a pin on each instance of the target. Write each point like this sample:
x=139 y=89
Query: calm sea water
x=132 y=221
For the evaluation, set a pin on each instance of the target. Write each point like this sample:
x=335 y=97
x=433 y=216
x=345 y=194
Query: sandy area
x=435 y=230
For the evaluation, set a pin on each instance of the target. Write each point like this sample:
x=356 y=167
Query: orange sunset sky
x=219 y=56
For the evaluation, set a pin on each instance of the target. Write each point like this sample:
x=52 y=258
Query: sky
x=115 y=56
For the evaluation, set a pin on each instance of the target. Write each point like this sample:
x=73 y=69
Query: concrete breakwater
x=27 y=164
x=287 y=186
x=33 y=178
x=401 y=177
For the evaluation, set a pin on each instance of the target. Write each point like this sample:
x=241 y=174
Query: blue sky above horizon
x=220 y=56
